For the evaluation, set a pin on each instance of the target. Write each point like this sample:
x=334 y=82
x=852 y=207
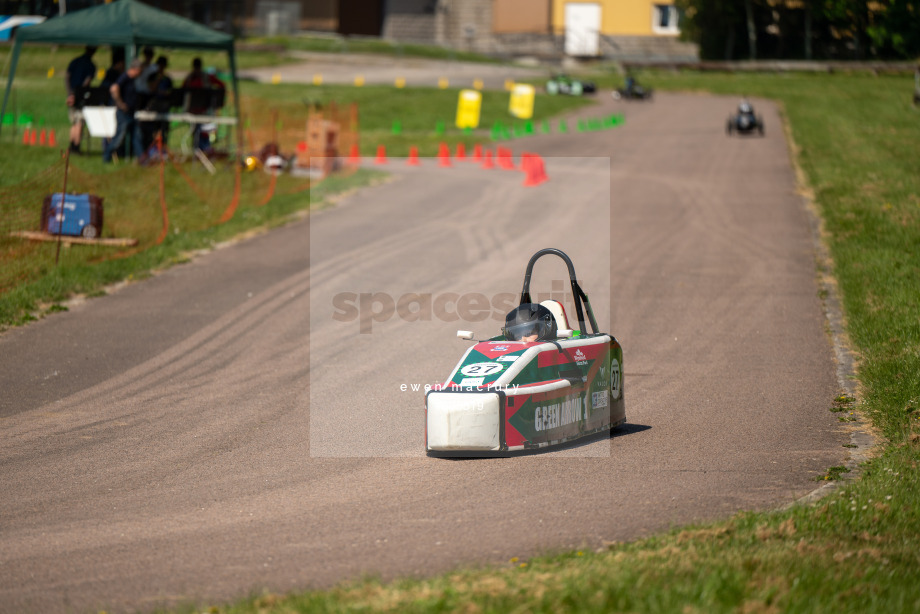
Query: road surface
x=216 y=429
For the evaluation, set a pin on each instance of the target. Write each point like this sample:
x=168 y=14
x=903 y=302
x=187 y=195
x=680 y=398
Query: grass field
x=855 y=550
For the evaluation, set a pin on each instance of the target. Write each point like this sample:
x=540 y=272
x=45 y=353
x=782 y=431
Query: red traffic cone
x=477 y=153
x=509 y=160
x=541 y=168
x=533 y=169
x=461 y=151
x=25 y=136
x=527 y=165
x=32 y=137
x=525 y=162
x=504 y=158
x=42 y=137
x=413 y=156
x=381 y=155
x=443 y=155
x=487 y=159
x=354 y=156
x=52 y=140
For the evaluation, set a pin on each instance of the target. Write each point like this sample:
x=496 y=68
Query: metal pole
x=60 y=229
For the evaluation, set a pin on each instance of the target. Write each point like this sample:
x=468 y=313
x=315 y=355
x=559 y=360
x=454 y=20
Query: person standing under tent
x=198 y=79
x=80 y=73
x=161 y=89
x=148 y=69
x=125 y=96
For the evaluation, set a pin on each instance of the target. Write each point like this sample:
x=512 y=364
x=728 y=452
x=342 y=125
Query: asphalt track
x=216 y=429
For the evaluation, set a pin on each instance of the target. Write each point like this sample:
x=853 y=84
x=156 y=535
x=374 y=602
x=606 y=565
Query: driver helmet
x=529 y=319
x=745 y=106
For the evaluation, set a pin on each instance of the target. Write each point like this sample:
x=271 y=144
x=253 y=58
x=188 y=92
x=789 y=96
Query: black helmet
x=529 y=319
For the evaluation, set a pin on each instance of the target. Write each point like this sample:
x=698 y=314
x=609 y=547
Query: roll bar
x=579 y=295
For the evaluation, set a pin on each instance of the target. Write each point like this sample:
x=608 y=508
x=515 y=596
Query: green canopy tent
x=128 y=24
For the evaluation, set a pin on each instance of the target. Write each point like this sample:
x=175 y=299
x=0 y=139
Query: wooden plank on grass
x=44 y=236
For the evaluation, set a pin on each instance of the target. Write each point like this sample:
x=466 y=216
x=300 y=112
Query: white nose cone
x=464 y=421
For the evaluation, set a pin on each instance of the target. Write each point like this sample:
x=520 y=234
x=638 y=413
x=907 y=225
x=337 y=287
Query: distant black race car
x=632 y=91
x=745 y=121
x=564 y=84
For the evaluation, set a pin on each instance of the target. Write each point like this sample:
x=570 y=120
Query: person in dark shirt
x=113 y=72
x=200 y=102
x=141 y=84
x=80 y=73
x=160 y=86
x=124 y=94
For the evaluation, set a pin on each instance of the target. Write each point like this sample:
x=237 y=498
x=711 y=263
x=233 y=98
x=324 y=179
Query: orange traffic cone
x=413 y=156
x=32 y=136
x=42 y=138
x=354 y=156
x=461 y=151
x=381 y=155
x=535 y=174
x=487 y=159
x=52 y=140
x=503 y=158
x=541 y=169
x=25 y=136
x=443 y=155
x=527 y=165
x=477 y=153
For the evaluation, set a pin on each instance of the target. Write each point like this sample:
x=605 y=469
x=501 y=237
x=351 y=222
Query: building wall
x=618 y=17
x=462 y=23
x=410 y=21
x=313 y=15
x=361 y=17
x=517 y=27
x=516 y=16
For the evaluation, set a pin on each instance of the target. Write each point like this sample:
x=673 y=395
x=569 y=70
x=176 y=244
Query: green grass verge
x=87 y=270
x=857 y=549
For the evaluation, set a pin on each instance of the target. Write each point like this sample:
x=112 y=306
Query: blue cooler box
x=80 y=215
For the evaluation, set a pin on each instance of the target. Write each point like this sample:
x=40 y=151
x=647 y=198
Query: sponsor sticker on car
x=599 y=399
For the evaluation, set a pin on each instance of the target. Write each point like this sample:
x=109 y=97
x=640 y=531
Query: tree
x=751 y=29
x=846 y=29
x=712 y=24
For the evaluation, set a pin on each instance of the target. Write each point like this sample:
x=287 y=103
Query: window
x=664 y=19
